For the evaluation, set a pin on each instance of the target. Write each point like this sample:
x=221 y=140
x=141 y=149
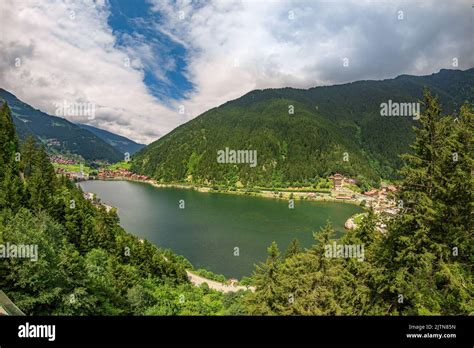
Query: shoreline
x=196 y=279
x=264 y=193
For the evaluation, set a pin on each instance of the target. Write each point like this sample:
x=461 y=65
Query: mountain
x=119 y=142
x=58 y=134
x=333 y=128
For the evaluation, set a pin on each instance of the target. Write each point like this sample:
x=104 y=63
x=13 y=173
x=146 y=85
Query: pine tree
x=41 y=185
x=458 y=175
x=293 y=249
x=367 y=231
x=323 y=239
x=8 y=137
x=420 y=279
x=11 y=189
x=365 y=274
x=266 y=298
x=28 y=153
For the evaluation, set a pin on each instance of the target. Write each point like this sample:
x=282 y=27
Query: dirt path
x=198 y=280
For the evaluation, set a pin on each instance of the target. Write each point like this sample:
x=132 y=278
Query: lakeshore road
x=198 y=280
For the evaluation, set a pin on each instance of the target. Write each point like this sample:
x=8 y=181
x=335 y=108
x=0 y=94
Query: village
x=382 y=200
x=78 y=172
x=122 y=174
x=344 y=189
x=61 y=160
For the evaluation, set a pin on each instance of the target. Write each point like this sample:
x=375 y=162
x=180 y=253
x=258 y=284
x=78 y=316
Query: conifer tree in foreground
x=11 y=190
x=425 y=253
x=423 y=263
x=265 y=300
x=293 y=249
x=81 y=267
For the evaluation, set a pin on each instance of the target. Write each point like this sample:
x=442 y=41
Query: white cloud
x=232 y=47
x=302 y=44
x=67 y=53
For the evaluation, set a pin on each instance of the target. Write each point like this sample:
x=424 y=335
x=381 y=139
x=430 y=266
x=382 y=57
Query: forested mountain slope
x=84 y=263
x=122 y=144
x=302 y=134
x=56 y=133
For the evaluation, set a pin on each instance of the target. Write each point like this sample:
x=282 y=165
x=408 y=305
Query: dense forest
x=301 y=135
x=423 y=264
x=88 y=265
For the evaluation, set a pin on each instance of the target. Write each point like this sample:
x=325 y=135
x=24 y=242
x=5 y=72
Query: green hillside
x=328 y=123
x=122 y=144
x=84 y=263
x=58 y=134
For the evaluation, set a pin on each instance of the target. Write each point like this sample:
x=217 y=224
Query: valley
x=300 y=136
x=206 y=227
x=178 y=218
x=192 y=172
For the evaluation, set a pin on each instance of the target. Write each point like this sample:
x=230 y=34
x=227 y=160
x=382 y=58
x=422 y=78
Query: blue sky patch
x=164 y=60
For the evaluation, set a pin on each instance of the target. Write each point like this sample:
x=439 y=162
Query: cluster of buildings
x=341 y=192
x=121 y=174
x=382 y=201
x=102 y=174
x=73 y=175
x=53 y=142
x=61 y=160
x=339 y=180
x=76 y=176
x=384 y=191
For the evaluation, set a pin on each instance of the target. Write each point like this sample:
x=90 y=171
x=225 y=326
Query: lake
x=212 y=225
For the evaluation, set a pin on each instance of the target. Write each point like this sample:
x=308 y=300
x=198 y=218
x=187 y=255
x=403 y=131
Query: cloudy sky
x=149 y=66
